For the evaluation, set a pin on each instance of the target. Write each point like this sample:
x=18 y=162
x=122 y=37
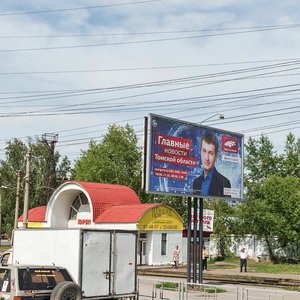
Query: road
x=148 y=291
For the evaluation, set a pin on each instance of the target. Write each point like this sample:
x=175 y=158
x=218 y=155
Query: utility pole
x=17 y=199
x=26 y=195
x=49 y=140
x=0 y=215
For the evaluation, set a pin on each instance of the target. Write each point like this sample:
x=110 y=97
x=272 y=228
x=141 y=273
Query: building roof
x=104 y=196
x=36 y=214
x=125 y=213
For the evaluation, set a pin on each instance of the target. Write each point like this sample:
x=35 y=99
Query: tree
x=116 y=159
x=223 y=219
x=290 y=159
x=272 y=185
x=261 y=160
x=274 y=214
x=15 y=159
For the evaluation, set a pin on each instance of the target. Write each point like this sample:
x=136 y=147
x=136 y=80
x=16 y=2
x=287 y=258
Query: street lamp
x=220 y=116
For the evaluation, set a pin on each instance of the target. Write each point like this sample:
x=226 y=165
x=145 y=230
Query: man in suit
x=211 y=182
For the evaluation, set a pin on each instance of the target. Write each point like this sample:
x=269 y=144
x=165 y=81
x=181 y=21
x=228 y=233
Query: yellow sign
x=160 y=218
x=35 y=224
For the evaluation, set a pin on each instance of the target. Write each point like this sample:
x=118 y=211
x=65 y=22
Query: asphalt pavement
x=149 y=288
x=228 y=273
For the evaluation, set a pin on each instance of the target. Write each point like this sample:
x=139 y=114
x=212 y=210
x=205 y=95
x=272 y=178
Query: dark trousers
x=243 y=263
x=204 y=264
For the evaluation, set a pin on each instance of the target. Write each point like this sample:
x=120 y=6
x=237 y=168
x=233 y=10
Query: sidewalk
x=230 y=274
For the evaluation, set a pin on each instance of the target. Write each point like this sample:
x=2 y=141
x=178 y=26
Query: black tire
x=66 y=290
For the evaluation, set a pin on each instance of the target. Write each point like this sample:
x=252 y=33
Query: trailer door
x=96 y=263
x=124 y=263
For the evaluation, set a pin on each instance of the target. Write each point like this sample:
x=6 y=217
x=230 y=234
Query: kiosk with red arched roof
x=89 y=205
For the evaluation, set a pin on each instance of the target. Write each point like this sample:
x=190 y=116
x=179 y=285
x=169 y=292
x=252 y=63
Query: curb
x=228 y=278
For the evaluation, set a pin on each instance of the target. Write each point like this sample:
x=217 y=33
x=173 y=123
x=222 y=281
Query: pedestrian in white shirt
x=243 y=259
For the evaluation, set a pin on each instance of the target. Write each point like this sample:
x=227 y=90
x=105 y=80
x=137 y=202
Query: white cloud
x=152 y=17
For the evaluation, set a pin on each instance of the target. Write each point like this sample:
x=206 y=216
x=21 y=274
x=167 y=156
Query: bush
x=167 y=285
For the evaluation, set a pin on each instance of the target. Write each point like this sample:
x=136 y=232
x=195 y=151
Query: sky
x=73 y=68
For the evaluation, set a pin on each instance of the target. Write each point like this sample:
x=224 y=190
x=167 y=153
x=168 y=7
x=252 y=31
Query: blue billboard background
x=166 y=175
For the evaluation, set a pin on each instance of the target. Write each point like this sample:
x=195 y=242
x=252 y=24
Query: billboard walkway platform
x=232 y=276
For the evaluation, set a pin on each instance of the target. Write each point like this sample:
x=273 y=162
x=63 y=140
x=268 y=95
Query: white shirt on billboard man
x=210 y=182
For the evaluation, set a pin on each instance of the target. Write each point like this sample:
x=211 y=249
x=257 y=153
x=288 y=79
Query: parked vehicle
x=6 y=258
x=102 y=262
x=41 y=283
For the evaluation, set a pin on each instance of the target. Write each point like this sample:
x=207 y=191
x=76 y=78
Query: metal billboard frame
x=148 y=155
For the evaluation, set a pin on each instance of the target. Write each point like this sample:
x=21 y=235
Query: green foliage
x=15 y=159
x=272 y=206
x=116 y=159
x=212 y=290
x=261 y=160
x=167 y=285
x=290 y=160
x=275 y=213
x=223 y=222
x=269 y=267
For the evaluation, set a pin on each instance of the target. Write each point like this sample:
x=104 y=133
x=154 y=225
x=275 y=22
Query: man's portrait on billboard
x=210 y=182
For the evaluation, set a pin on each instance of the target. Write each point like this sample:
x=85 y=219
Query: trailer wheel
x=66 y=290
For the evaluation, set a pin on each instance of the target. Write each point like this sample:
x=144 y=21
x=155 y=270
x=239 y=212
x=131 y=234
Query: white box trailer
x=102 y=262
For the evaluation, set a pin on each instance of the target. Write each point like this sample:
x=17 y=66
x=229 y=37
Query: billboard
x=187 y=159
x=208 y=219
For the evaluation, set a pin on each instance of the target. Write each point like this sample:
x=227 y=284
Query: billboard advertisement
x=208 y=220
x=187 y=159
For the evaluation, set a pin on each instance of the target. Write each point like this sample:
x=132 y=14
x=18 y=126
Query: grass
x=4 y=248
x=268 y=267
x=214 y=290
x=167 y=285
x=293 y=288
x=259 y=267
x=174 y=286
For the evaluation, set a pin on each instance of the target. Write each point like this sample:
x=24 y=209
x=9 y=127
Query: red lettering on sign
x=84 y=222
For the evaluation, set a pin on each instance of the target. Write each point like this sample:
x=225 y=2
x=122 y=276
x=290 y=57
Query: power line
x=136 y=42
x=74 y=8
x=282 y=124
x=84 y=140
x=73 y=93
x=133 y=69
x=276 y=131
x=76 y=141
x=273 y=27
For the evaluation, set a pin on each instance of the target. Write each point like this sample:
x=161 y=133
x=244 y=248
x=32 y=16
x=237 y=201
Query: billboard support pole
x=201 y=240
x=195 y=241
x=188 y=279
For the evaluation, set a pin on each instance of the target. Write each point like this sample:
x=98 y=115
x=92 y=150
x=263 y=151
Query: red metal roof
x=125 y=213
x=104 y=196
x=36 y=214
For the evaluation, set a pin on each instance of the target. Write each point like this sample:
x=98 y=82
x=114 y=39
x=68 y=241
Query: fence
x=150 y=288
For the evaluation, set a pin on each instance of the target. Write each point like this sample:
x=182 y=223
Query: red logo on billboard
x=229 y=144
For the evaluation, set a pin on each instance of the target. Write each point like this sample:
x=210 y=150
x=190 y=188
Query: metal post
x=201 y=239
x=0 y=216
x=189 y=240
x=26 y=195
x=17 y=199
x=195 y=261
